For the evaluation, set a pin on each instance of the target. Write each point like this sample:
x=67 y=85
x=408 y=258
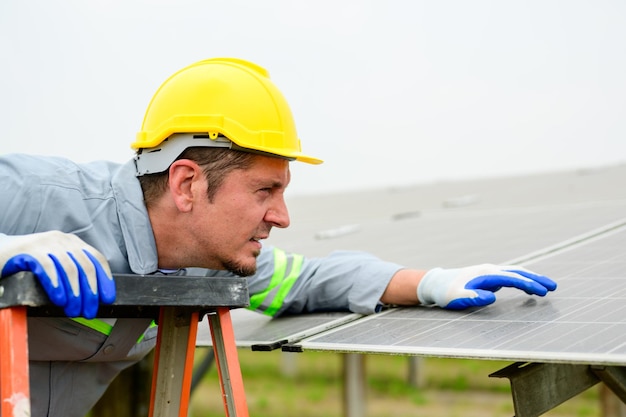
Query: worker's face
x=245 y=208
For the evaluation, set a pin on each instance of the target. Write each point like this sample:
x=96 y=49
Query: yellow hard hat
x=226 y=98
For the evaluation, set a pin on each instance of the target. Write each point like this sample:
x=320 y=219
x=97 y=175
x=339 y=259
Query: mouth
x=262 y=236
x=257 y=239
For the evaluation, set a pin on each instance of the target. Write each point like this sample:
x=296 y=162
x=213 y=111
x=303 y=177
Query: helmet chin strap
x=159 y=159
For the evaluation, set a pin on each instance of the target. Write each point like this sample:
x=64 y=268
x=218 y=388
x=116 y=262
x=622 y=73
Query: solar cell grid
x=584 y=321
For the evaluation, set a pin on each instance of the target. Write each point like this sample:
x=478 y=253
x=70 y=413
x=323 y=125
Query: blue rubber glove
x=74 y=275
x=460 y=288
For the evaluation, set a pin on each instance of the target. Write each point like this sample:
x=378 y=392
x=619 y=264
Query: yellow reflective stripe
x=98 y=325
x=104 y=327
x=280 y=266
x=286 y=285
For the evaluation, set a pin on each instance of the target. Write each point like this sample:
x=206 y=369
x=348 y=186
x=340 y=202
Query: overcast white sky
x=387 y=92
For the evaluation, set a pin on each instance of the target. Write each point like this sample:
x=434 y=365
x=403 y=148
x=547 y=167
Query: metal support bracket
x=539 y=387
x=614 y=377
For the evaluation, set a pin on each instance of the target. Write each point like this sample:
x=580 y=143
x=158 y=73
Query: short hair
x=216 y=164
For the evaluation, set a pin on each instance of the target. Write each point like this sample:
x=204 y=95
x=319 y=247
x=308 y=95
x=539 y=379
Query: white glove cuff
x=427 y=287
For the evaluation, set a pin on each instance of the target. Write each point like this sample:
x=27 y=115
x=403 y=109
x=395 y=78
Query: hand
x=475 y=285
x=74 y=275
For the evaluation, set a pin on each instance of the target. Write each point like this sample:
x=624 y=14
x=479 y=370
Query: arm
x=41 y=200
x=402 y=288
x=359 y=282
x=341 y=281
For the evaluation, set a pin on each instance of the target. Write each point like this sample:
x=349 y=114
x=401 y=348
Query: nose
x=278 y=214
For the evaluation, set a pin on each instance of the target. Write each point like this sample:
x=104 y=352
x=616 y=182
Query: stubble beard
x=238 y=268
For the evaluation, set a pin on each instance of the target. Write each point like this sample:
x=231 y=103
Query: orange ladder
x=176 y=302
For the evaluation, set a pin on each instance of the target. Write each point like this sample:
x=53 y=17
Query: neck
x=167 y=235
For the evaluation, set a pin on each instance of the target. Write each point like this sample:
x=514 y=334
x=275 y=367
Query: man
x=205 y=188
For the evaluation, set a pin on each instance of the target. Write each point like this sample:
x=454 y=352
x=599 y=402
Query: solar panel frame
x=263 y=333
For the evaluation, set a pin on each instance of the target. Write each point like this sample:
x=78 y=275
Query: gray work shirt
x=71 y=364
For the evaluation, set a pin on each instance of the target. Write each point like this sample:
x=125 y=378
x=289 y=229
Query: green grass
x=311 y=384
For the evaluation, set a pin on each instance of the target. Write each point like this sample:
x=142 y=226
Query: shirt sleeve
x=288 y=283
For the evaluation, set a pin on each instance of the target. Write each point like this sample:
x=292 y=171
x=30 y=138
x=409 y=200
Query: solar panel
x=262 y=333
x=569 y=226
x=511 y=220
x=583 y=322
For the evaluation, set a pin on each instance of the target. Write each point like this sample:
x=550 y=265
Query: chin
x=240 y=268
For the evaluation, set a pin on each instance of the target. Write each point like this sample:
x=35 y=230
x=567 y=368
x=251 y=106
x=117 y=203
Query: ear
x=185 y=182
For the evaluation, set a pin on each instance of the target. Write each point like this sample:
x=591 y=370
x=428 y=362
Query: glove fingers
x=495 y=282
x=541 y=279
x=68 y=276
x=86 y=272
x=45 y=271
x=88 y=285
x=105 y=282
